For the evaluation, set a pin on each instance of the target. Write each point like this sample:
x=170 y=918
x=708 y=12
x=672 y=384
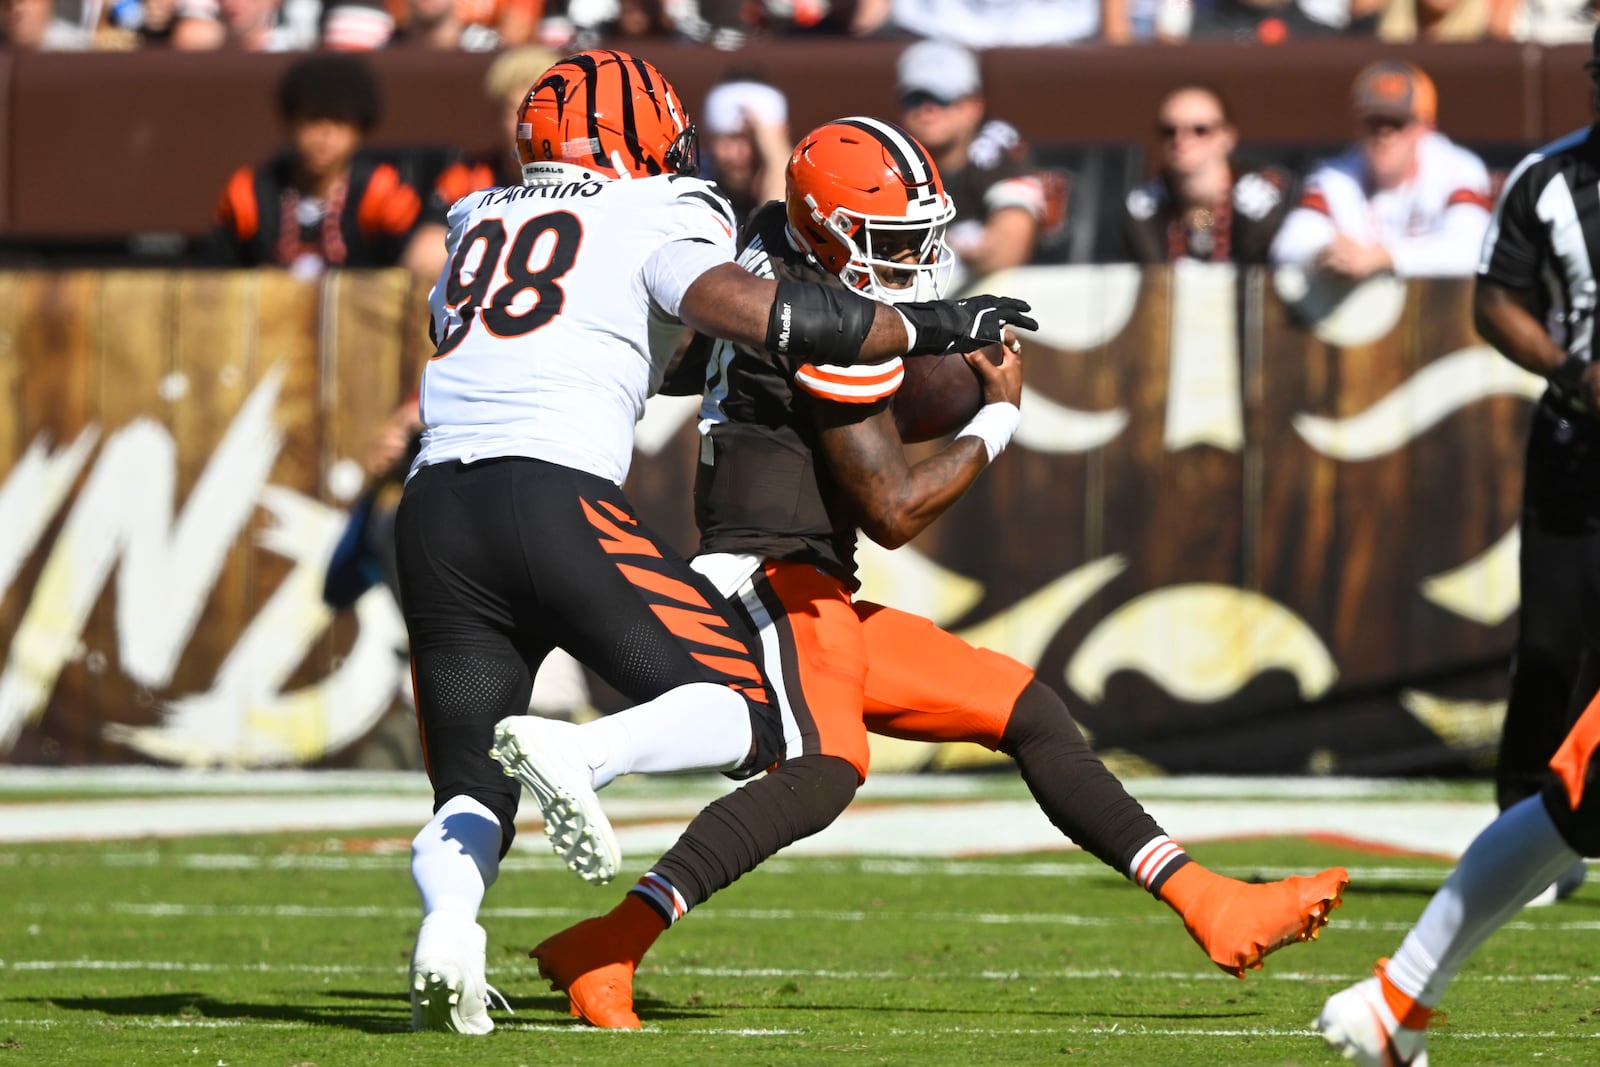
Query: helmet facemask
x=895 y=259
x=683 y=154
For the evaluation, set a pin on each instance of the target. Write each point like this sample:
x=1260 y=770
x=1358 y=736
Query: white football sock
x=701 y=726
x=456 y=857
x=1506 y=865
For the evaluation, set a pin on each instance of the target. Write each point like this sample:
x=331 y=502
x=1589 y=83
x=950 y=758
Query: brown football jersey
x=762 y=487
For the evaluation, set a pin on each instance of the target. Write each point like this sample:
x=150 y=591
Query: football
x=938 y=395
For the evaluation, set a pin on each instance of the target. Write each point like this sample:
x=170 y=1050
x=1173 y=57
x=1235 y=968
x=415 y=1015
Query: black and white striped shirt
x=1544 y=238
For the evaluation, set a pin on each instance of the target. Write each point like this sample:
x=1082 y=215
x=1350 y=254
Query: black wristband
x=824 y=323
x=939 y=325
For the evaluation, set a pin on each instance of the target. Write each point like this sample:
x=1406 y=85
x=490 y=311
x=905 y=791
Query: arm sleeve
x=675 y=266
x=236 y=221
x=1510 y=253
x=1307 y=228
x=1024 y=190
x=700 y=229
x=1450 y=251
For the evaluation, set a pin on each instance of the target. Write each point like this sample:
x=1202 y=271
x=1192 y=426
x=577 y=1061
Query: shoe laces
x=491 y=994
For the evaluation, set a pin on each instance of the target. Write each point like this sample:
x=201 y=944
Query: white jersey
x=1432 y=225
x=556 y=316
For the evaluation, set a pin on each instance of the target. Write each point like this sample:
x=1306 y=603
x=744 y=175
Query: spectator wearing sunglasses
x=1201 y=205
x=1003 y=202
x=1404 y=199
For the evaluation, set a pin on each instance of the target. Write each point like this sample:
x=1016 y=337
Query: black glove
x=963 y=325
x=1567 y=381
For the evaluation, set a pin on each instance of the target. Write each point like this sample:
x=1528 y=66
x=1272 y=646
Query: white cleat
x=448 y=988
x=1358 y=1024
x=544 y=756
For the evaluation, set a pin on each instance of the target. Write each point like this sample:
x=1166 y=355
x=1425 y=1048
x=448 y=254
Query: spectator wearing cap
x=1404 y=199
x=1002 y=202
x=322 y=201
x=1201 y=206
x=505 y=87
x=744 y=129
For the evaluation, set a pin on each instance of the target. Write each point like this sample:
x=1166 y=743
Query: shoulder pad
x=1143 y=200
x=707 y=193
x=1256 y=194
x=994 y=142
x=755 y=259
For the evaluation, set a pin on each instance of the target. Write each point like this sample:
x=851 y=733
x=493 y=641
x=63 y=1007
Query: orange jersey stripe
x=849 y=388
x=1469 y=196
x=389 y=205
x=238 y=208
x=1316 y=202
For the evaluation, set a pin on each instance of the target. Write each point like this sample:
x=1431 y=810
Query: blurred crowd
x=483 y=25
x=1400 y=197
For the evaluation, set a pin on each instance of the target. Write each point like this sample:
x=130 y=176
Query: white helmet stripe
x=907 y=153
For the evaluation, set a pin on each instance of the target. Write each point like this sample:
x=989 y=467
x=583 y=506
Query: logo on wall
x=1201 y=642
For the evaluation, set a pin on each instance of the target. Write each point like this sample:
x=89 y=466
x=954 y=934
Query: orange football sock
x=1408 y=1012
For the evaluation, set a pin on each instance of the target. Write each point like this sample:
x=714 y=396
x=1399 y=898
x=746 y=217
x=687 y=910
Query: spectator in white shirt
x=1405 y=199
x=744 y=135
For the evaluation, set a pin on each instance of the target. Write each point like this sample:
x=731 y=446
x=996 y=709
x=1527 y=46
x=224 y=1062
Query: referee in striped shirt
x=1535 y=302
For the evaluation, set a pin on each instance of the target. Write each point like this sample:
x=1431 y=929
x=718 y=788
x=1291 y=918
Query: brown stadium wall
x=1245 y=528
x=105 y=145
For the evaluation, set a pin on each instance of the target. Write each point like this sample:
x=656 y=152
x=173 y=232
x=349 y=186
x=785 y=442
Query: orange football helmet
x=866 y=200
x=608 y=112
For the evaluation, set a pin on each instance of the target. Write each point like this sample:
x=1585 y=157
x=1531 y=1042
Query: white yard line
x=941 y=828
x=526 y=859
x=1062 y=974
x=145 y=779
x=588 y=1032
x=170 y=910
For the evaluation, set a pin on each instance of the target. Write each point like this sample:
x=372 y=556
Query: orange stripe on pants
x=1571 y=761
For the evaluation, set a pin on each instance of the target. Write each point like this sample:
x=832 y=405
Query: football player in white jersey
x=555 y=318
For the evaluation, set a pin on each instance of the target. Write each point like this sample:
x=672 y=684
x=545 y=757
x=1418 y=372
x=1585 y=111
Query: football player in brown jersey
x=792 y=465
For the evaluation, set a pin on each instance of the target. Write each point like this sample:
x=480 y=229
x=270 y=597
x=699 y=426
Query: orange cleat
x=1239 y=924
x=594 y=961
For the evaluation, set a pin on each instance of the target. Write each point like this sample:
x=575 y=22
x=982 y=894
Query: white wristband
x=911 y=331
x=993 y=425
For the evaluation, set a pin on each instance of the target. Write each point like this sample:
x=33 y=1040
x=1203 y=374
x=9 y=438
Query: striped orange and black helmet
x=609 y=112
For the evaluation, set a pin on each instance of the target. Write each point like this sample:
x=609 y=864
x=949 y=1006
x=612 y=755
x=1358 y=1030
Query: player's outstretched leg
x=545 y=756
x=1239 y=924
x=1236 y=923
x=1374 y=1024
x=594 y=961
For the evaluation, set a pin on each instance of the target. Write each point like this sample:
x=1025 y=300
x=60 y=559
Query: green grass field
x=291 y=949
